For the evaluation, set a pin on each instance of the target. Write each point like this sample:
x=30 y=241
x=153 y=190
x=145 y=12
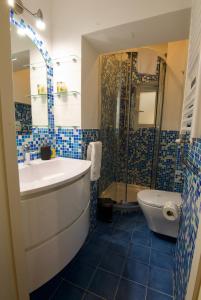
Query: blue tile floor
x=122 y=260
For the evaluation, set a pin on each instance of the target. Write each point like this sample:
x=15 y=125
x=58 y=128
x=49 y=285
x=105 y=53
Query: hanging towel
x=94 y=153
x=147 y=61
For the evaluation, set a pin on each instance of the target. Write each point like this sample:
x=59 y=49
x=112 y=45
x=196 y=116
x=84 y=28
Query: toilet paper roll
x=170 y=211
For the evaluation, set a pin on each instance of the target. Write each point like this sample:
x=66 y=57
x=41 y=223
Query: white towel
x=94 y=153
x=147 y=61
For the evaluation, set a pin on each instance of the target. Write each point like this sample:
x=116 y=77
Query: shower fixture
x=19 y=8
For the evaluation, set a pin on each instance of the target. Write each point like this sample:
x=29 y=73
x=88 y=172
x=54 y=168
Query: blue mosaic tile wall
x=24 y=117
x=35 y=140
x=91 y=135
x=140 y=156
x=191 y=212
x=178 y=178
x=140 y=160
x=69 y=142
x=73 y=143
x=167 y=159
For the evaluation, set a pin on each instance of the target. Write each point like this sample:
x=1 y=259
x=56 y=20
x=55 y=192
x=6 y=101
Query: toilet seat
x=157 y=198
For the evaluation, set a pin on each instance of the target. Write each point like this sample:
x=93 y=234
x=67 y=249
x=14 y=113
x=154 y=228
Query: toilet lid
x=158 y=198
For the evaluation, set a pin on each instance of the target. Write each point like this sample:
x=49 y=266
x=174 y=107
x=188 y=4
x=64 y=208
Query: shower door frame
x=159 y=88
x=158 y=123
x=139 y=88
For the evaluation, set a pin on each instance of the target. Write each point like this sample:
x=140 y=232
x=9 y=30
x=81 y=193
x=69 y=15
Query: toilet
x=152 y=203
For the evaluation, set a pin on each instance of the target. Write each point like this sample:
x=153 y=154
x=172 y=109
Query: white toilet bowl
x=152 y=203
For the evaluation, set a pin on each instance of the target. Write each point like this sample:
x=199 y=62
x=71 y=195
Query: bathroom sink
x=41 y=175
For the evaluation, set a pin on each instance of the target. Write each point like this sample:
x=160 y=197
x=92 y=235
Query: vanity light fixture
x=11 y=3
x=40 y=24
x=19 y=8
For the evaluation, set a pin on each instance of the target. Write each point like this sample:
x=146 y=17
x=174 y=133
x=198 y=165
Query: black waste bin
x=105 y=209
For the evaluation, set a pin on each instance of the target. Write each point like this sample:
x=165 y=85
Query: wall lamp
x=19 y=8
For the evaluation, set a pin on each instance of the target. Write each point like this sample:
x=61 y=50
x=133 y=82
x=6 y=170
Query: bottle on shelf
x=64 y=87
x=61 y=87
x=38 y=88
x=42 y=90
x=58 y=87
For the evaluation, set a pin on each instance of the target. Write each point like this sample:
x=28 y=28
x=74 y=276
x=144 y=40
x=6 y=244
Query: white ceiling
x=91 y=15
x=68 y=20
x=155 y=30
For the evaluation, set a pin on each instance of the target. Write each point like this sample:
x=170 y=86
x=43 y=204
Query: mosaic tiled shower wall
x=23 y=117
x=167 y=162
x=110 y=80
x=140 y=163
x=141 y=142
x=140 y=156
x=191 y=213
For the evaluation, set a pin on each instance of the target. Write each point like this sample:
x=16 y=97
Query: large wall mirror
x=29 y=83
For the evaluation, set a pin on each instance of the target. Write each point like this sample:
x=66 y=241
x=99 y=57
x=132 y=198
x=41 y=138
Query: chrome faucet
x=26 y=154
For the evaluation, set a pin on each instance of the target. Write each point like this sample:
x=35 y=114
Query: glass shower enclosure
x=131 y=117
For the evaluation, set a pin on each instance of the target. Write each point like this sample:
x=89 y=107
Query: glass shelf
x=38 y=66
x=56 y=62
x=69 y=93
x=66 y=59
x=37 y=96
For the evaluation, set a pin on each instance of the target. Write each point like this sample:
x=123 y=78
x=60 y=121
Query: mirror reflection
x=147 y=108
x=29 y=83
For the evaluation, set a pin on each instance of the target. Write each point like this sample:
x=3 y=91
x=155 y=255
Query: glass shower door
x=111 y=130
x=158 y=122
x=143 y=131
x=131 y=115
x=122 y=122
